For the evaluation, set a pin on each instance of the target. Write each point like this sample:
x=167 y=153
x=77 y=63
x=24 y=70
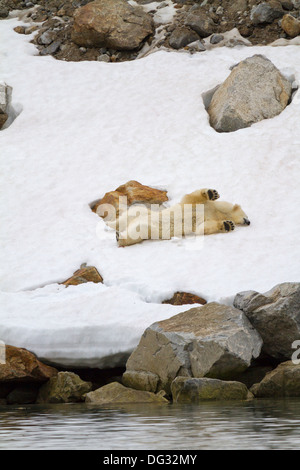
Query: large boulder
x=21 y=365
x=275 y=315
x=214 y=340
x=284 y=381
x=66 y=387
x=192 y=390
x=114 y=24
x=117 y=393
x=255 y=90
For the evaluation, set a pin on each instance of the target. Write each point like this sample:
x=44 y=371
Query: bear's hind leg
x=201 y=196
x=213 y=194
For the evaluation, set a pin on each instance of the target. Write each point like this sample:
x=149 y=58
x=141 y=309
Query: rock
x=275 y=315
x=214 y=341
x=5 y=97
x=20 y=29
x=51 y=49
x=196 y=46
x=140 y=380
x=182 y=36
x=193 y=390
x=266 y=12
x=290 y=25
x=216 y=38
x=296 y=3
x=137 y=192
x=31 y=29
x=287 y=4
x=66 y=387
x=23 y=366
x=254 y=90
x=184 y=298
x=82 y=275
x=237 y=6
x=284 y=381
x=134 y=191
x=46 y=38
x=111 y=23
x=23 y=394
x=104 y=58
x=230 y=38
x=3 y=119
x=200 y=22
x=117 y=393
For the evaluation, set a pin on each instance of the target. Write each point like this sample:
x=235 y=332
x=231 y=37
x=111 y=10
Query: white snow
x=85 y=128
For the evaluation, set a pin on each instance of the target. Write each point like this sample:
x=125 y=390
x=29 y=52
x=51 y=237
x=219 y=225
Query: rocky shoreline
x=213 y=352
x=111 y=31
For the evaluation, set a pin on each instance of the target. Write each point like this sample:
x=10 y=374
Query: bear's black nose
x=246 y=221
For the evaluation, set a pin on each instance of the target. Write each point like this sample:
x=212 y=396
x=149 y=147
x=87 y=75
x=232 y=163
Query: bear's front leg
x=214 y=226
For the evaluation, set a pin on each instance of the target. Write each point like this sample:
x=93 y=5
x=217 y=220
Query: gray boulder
x=275 y=315
x=214 y=340
x=198 y=20
x=194 y=390
x=254 y=90
x=182 y=36
x=266 y=12
x=111 y=23
x=284 y=381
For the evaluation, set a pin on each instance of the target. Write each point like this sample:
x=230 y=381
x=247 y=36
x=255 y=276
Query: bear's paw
x=213 y=194
x=228 y=225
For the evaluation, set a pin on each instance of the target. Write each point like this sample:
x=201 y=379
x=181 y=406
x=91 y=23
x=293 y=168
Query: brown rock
x=20 y=29
x=117 y=393
x=82 y=275
x=196 y=390
x=284 y=381
x=23 y=366
x=134 y=192
x=111 y=23
x=290 y=25
x=137 y=192
x=66 y=387
x=31 y=29
x=3 y=119
x=183 y=298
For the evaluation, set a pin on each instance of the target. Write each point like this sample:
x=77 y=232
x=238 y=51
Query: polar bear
x=204 y=214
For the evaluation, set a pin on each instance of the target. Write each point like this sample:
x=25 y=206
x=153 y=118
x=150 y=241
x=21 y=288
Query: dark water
x=258 y=424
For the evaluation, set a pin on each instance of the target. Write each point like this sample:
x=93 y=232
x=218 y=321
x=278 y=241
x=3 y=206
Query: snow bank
x=84 y=129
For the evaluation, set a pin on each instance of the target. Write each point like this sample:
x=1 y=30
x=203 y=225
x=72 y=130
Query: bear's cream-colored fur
x=140 y=223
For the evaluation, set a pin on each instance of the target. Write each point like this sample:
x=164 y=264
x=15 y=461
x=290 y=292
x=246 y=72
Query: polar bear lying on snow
x=198 y=213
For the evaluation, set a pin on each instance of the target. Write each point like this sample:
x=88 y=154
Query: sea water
x=256 y=424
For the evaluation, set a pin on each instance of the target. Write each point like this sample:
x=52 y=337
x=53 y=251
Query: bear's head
x=238 y=216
